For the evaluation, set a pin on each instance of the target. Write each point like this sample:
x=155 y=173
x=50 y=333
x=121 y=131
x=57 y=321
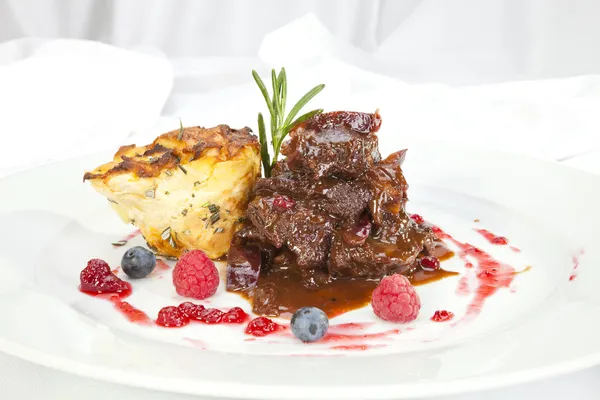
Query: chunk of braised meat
x=358 y=122
x=341 y=199
x=305 y=231
x=388 y=186
x=310 y=238
x=357 y=233
x=243 y=267
x=371 y=259
x=356 y=252
x=269 y=222
x=341 y=144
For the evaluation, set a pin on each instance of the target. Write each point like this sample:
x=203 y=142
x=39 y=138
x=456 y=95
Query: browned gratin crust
x=174 y=149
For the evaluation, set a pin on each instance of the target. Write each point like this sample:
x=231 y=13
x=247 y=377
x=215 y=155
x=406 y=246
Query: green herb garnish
x=280 y=124
x=214 y=218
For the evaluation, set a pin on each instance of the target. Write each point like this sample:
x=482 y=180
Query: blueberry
x=309 y=324
x=138 y=262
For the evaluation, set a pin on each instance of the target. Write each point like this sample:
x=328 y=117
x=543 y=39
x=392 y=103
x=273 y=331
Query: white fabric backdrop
x=454 y=42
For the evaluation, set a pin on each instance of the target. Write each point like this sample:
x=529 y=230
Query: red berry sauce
x=575 y=265
x=162 y=265
x=262 y=326
x=442 y=316
x=130 y=312
x=352 y=337
x=491 y=274
x=492 y=238
x=463 y=286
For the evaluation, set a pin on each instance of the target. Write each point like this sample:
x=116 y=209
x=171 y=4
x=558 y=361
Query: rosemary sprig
x=280 y=124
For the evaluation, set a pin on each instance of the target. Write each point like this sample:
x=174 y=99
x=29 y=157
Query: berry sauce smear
x=492 y=238
x=491 y=274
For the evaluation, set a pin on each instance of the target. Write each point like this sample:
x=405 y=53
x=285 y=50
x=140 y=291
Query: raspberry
x=172 y=317
x=195 y=275
x=395 y=300
x=97 y=277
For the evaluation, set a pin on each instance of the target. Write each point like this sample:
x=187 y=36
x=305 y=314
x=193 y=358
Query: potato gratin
x=187 y=190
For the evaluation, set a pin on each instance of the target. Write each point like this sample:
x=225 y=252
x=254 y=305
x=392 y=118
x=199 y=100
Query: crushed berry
x=442 y=316
x=172 y=317
x=283 y=202
x=262 y=326
x=97 y=277
x=430 y=263
x=235 y=316
x=210 y=316
x=492 y=238
x=417 y=218
x=191 y=310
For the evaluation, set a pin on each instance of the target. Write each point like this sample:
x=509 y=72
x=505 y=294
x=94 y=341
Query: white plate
x=543 y=325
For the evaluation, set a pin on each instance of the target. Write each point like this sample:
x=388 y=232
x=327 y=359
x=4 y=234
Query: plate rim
x=244 y=391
